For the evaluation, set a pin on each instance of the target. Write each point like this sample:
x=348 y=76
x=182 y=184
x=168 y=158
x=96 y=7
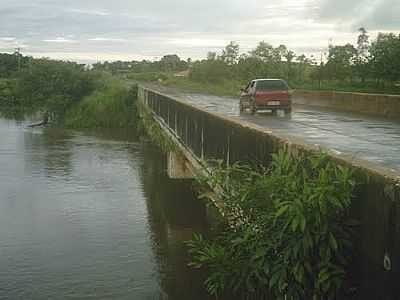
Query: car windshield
x=271 y=85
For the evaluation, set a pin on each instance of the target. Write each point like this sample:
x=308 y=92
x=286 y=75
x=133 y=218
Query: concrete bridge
x=200 y=134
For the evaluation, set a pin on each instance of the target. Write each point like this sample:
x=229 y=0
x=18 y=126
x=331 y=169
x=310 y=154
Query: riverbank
x=69 y=96
x=111 y=105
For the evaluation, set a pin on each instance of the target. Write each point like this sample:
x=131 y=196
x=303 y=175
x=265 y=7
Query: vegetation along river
x=92 y=216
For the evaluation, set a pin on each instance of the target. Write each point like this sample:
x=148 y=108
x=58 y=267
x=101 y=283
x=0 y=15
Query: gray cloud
x=131 y=28
x=372 y=14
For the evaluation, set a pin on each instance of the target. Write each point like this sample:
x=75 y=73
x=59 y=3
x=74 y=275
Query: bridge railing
x=210 y=137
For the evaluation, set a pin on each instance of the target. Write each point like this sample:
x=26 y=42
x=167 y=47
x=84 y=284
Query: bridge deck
x=363 y=137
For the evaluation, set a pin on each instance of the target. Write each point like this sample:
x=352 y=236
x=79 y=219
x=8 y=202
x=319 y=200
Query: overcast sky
x=91 y=30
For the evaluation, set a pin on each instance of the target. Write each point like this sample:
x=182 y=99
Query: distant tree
x=263 y=51
x=280 y=52
x=363 y=44
x=302 y=62
x=11 y=63
x=340 y=61
x=250 y=67
x=211 y=55
x=361 y=60
x=213 y=71
x=289 y=56
x=230 y=54
x=385 y=57
x=53 y=85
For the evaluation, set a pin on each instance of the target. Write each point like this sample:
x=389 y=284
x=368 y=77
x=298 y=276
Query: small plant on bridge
x=288 y=234
x=148 y=125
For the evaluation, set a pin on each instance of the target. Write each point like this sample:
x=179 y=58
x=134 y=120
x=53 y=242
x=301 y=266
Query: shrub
x=111 y=106
x=288 y=233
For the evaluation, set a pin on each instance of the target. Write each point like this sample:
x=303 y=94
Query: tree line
x=168 y=63
x=41 y=84
x=374 y=64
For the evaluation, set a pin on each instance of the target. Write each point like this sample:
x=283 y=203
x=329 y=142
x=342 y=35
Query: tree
x=53 y=85
x=385 y=57
x=289 y=56
x=361 y=61
x=230 y=54
x=301 y=65
x=263 y=51
x=340 y=61
x=213 y=71
x=211 y=55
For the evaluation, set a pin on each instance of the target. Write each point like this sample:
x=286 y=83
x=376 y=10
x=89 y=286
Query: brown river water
x=92 y=216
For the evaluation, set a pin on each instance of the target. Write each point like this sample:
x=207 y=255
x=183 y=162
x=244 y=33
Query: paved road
x=373 y=139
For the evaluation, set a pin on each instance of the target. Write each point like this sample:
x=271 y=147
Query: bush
x=52 y=86
x=147 y=76
x=288 y=234
x=110 y=106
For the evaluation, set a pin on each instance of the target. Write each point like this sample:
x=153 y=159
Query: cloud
x=104 y=39
x=7 y=39
x=88 y=12
x=372 y=14
x=60 y=40
x=186 y=27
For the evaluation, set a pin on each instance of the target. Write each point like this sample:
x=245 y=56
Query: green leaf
x=281 y=211
x=332 y=242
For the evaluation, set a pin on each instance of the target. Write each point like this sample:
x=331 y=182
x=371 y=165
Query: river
x=92 y=216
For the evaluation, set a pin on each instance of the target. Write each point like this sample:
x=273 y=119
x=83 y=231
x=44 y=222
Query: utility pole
x=18 y=54
x=320 y=73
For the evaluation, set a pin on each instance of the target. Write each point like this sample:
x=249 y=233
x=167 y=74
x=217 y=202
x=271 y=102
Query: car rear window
x=271 y=85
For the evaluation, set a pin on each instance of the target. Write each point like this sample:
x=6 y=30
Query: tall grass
x=228 y=87
x=111 y=105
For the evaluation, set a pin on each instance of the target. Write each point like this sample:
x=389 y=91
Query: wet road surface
x=363 y=137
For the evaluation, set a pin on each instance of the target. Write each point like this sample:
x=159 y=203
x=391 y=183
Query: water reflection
x=174 y=215
x=48 y=150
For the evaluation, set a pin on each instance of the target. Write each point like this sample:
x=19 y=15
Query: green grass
x=147 y=76
x=356 y=87
x=224 y=88
x=111 y=106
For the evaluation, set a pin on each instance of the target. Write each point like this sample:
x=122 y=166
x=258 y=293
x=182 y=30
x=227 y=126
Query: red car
x=266 y=94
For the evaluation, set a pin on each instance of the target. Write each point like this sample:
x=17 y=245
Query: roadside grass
x=355 y=87
x=223 y=88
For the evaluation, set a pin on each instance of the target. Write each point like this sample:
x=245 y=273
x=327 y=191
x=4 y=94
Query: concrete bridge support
x=179 y=167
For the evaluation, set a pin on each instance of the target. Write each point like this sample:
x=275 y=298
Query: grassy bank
x=222 y=88
x=111 y=105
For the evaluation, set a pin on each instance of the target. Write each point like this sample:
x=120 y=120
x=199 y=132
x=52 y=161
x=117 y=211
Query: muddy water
x=92 y=216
